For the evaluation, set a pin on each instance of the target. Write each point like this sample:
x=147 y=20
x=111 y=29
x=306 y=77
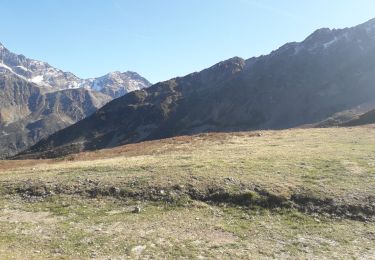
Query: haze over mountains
x=327 y=79
x=37 y=99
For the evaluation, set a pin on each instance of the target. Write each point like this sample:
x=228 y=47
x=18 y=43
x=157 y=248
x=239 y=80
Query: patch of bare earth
x=20 y=216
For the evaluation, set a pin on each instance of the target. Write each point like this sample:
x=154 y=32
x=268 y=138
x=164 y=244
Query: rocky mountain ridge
x=330 y=72
x=37 y=99
x=114 y=84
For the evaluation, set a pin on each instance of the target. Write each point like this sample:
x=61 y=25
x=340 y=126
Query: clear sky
x=161 y=39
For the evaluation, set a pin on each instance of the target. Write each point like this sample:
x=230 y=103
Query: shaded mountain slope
x=27 y=114
x=37 y=99
x=300 y=83
x=365 y=119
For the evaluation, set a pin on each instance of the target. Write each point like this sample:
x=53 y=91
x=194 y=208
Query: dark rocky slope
x=365 y=119
x=27 y=114
x=37 y=99
x=300 y=83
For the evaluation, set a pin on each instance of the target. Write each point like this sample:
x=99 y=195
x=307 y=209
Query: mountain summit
x=321 y=78
x=117 y=84
x=114 y=84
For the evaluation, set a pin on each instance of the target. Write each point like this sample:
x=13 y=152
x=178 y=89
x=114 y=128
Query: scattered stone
x=229 y=180
x=57 y=251
x=114 y=190
x=138 y=249
x=137 y=209
x=179 y=187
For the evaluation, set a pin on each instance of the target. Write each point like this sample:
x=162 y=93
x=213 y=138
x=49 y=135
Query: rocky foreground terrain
x=290 y=194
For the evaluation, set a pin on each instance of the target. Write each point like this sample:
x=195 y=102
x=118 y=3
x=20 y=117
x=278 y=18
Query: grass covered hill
x=293 y=194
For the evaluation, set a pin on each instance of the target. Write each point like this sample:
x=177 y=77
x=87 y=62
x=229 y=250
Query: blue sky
x=161 y=39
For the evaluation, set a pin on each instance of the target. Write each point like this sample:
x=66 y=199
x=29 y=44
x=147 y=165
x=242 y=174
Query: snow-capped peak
x=41 y=73
x=117 y=83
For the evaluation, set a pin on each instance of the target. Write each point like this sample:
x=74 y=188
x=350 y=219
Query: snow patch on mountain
x=9 y=69
x=5 y=66
x=328 y=44
x=22 y=68
x=116 y=83
x=37 y=80
x=41 y=73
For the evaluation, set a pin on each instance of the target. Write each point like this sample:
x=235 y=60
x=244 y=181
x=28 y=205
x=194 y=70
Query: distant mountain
x=117 y=84
x=114 y=84
x=28 y=114
x=40 y=73
x=37 y=100
x=302 y=83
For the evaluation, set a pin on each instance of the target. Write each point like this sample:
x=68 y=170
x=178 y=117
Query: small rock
x=137 y=209
x=229 y=180
x=57 y=251
x=115 y=190
x=179 y=187
x=138 y=249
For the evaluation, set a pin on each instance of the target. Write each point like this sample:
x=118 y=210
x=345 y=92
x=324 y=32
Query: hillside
x=367 y=118
x=291 y=194
x=28 y=114
x=304 y=83
x=37 y=100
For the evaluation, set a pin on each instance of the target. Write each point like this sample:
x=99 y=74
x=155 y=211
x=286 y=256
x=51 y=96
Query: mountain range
x=37 y=99
x=327 y=79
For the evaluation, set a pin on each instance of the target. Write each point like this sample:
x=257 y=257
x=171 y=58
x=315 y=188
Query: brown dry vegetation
x=293 y=194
